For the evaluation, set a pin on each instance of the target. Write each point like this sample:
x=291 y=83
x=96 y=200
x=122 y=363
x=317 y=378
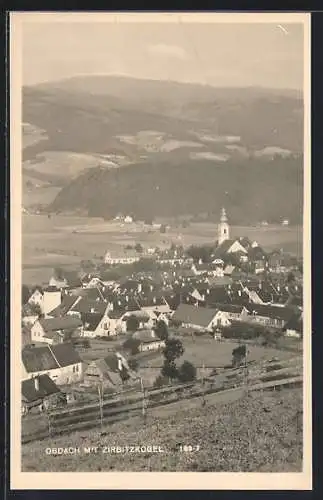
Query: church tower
x=223 y=227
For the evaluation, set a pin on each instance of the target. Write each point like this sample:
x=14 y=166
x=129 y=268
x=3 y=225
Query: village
x=138 y=324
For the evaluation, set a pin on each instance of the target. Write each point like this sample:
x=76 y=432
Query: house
x=233 y=312
x=199 y=318
x=87 y=306
x=60 y=362
x=151 y=304
x=127 y=258
x=52 y=298
x=208 y=269
x=148 y=340
x=65 y=279
x=55 y=330
x=112 y=371
x=40 y=393
x=228 y=247
x=275 y=261
x=67 y=303
x=95 y=325
x=36 y=298
x=268 y=315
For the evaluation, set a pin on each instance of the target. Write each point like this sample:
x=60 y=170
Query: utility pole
x=100 y=391
x=49 y=422
x=246 y=369
x=144 y=415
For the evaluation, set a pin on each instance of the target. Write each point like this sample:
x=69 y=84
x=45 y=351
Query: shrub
x=160 y=381
x=187 y=372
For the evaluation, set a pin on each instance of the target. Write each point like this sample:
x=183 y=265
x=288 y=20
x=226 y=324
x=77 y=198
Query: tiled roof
x=90 y=306
x=91 y=321
x=64 y=307
x=47 y=387
x=201 y=316
x=54 y=324
x=45 y=358
x=275 y=312
x=65 y=354
x=37 y=359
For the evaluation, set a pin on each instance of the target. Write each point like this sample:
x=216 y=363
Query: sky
x=219 y=54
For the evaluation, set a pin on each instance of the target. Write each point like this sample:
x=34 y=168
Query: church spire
x=223 y=227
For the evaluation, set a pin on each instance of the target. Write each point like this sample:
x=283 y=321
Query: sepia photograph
x=161 y=307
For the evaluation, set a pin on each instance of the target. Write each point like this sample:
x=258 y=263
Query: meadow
x=66 y=240
x=261 y=432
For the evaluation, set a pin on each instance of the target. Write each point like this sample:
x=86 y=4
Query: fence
x=130 y=405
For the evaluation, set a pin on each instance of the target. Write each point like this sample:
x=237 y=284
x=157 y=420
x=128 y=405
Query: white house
x=127 y=258
x=36 y=298
x=200 y=318
x=60 y=362
x=54 y=330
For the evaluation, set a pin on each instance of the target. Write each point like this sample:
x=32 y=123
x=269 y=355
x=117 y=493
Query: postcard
x=160 y=251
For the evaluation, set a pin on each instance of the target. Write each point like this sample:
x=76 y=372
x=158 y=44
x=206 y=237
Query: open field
x=66 y=240
x=261 y=432
x=205 y=354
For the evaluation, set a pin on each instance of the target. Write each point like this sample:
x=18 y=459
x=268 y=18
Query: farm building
x=61 y=362
x=112 y=371
x=40 y=393
x=148 y=341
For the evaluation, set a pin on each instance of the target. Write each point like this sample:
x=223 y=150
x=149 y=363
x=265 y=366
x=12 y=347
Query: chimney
x=36 y=381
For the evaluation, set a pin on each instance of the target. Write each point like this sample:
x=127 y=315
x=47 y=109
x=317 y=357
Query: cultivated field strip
x=118 y=410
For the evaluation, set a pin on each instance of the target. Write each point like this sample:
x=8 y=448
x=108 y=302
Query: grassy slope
x=262 y=432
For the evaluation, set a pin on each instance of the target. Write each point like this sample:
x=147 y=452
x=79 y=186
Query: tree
x=25 y=294
x=132 y=324
x=187 y=372
x=139 y=248
x=132 y=345
x=173 y=349
x=161 y=330
x=198 y=253
x=238 y=355
x=133 y=364
x=35 y=309
x=169 y=370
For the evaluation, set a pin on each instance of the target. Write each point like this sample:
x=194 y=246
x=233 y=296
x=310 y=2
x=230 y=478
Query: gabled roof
x=64 y=323
x=222 y=249
x=230 y=308
x=65 y=354
x=91 y=321
x=200 y=316
x=145 y=336
x=47 y=387
x=256 y=253
x=245 y=242
x=64 y=307
x=274 y=312
x=110 y=367
x=37 y=359
x=85 y=305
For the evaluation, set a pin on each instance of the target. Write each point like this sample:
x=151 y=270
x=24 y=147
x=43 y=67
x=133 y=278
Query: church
x=240 y=247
